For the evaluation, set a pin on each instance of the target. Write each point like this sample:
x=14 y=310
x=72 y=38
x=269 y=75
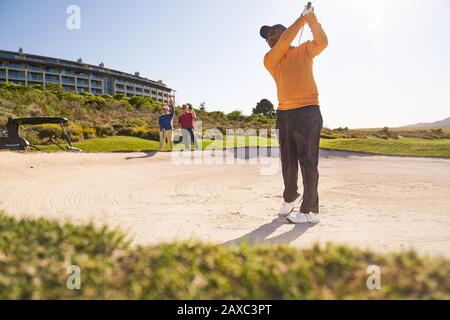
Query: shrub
x=35 y=254
x=89 y=133
x=235 y=116
x=104 y=130
x=119 y=96
x=153 y=134
x=48 y=131
x=125 y=131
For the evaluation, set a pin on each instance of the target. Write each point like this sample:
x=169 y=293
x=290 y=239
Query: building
x=28 y=70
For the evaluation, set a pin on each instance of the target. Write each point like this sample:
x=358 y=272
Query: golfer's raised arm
x=320 y=42
x=283 y=44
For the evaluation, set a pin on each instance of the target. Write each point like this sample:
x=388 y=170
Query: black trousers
x=299 y=138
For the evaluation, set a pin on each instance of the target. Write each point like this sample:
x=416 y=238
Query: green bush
x=153 y=134
x=235 y=116
x=48 y=131
x=104 y=130
x=35 y=255
x=89 y=133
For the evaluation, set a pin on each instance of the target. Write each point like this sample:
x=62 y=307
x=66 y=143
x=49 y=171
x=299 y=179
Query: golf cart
x=11 y=139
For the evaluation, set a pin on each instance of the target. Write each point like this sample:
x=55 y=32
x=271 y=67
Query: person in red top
x=187 y=123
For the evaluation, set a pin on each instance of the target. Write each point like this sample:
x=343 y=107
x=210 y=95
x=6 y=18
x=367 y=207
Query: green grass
x=119 y=143
x=402 y=146
x=110 y=144
x=35 y=254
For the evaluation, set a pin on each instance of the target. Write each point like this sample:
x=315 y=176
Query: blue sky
x=387 y=61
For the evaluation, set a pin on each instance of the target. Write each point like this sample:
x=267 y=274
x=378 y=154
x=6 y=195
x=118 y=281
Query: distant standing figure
x=187 y=123
x=166 y=126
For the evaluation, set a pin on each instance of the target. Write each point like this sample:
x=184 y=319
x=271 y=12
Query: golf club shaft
x=308 y=6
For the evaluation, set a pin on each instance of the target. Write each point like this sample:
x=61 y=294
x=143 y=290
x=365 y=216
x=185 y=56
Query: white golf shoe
x=303 y=218
x=288 y=207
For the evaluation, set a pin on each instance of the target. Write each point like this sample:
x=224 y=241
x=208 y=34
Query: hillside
x=102 y=116
x=437 y=124
x=107 y=116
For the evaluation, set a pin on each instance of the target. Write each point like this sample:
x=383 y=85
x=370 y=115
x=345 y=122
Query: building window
x=83 y=83
x=68 y=80
x=50 y=78
x=68 y=72
x=51 y=70
x=70 y=89
x=16 y=75
x=16 y=66
x=35 y=77
x=35 y=68
x=96 y=84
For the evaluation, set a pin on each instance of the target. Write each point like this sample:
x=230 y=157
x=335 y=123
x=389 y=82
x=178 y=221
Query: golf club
x=308 y=6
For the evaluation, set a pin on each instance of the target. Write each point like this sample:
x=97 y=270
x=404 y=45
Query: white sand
x=384 y=203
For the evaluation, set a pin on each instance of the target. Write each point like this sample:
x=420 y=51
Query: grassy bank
x=35 y=254
x=122 y=143
x=401 y=146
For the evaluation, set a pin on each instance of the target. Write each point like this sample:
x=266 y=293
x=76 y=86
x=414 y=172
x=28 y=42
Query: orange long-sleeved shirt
x=292 y=67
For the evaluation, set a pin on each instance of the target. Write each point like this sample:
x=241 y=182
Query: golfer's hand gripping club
x=308 y=9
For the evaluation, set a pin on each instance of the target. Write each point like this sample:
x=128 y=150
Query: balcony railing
x=8 y=55
x=67 y=72
x=53 y=80
x=14 y=75
x=35 y=77
x=34 y=68
x=16 y=66
x=68 y=81
x=72 y=89
x=52 y=70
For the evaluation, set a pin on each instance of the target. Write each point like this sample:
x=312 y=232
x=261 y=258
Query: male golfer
x=299 y=119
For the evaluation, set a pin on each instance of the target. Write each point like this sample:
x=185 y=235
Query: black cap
x=266 y=29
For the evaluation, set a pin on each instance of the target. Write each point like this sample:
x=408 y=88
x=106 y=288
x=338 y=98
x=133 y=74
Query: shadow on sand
x=261 y=234
x=147 y=154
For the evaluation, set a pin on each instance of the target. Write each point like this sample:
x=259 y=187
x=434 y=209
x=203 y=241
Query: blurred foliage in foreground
x=35 y=255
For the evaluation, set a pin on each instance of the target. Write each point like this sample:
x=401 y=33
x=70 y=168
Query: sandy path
x=385 y=203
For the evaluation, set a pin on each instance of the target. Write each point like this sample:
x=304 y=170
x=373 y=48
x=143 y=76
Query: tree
x=264 y=107
x=56 y=87
x=235 y=116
